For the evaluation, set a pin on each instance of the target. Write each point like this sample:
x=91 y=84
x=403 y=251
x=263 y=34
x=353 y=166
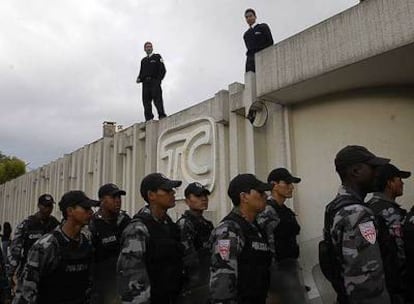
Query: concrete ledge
x=366 y=31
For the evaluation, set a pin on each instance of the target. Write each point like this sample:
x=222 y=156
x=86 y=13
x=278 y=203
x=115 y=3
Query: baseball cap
x=245 y=183
x=46 y=200
x=76 y=198
x=354 y=154
x=110 y=189
x=389 y=171
x=197 y=189
x=282 y=174
x=155 y=181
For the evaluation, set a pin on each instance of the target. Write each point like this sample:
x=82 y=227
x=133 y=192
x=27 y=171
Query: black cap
x=245 y=183
x=389 y=171
x=351 y=155
x=46 y=200
x=110 y=189
x=282 y=174
x=155 y=181
x=197 y=189
x=76 y=198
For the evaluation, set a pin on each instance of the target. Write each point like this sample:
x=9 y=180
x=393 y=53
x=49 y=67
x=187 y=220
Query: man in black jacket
x=106 y=227
x=390 y=218
x=151 y=74
x=256 y=38
x=28 y=232
x=279 y=223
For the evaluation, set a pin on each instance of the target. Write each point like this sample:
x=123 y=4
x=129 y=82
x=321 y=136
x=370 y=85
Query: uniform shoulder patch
x=368 y=231
x=224 y=249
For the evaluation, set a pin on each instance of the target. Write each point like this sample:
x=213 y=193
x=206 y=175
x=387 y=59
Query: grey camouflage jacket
x=354 y=236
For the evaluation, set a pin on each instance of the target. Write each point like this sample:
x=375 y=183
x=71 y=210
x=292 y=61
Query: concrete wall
x=380 y=119
x=316 y=105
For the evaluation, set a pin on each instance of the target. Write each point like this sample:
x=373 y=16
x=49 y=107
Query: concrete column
x=249 y=96
x=236 y=133
x=151 y=137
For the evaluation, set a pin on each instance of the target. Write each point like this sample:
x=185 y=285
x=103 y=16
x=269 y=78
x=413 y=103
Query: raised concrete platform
x=369 y=45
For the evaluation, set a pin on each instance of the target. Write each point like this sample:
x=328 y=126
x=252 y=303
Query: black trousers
x=250 y=64
x=151 y=90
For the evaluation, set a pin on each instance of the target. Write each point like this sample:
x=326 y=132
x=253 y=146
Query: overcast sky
x=68 y=65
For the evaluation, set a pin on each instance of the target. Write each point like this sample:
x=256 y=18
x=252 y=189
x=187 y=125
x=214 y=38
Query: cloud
x=66 y=66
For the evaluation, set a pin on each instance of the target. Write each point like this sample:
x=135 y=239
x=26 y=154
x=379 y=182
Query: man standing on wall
x=256 y=38
x=28 y=232
x=151 y=74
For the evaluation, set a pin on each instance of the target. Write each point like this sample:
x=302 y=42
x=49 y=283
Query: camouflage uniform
x=390 y=217
x=134 y=274
x=44 y=259
x=281 y=228
x=4 y=284
x=268 y=220
x=228 y=242
x=354 y=237
x=409 y=250
x=195 y=234
x=24 y=238
x=105 y=236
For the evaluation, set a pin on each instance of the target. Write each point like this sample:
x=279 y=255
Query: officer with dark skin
x=240 y=255
x=195 y=234
x=408 y=234
x=390 y=218
x=59 y=263
x=28 y=232
x=350 y=256
x=150 y=265
x=151 y=73
x=256 y=38
x=106 y=227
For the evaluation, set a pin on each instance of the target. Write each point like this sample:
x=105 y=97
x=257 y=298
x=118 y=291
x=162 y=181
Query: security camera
x=257 y=114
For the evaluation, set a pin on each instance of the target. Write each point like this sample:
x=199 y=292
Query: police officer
x=256 y=38
x=390 y=218
x=279 y=223
x=409 y=251
x=28 y=232
x=4 y=283
x=151 y=74
x=240 y=254
x=106 y=228
x=150 y=263
x=195 y=233
x=349 y=255
x=58 y=265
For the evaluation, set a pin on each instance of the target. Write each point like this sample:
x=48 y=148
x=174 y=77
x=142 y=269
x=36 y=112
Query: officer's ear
x=243 y=197
x=69 y=211
x=151 y=195
x=354 y=170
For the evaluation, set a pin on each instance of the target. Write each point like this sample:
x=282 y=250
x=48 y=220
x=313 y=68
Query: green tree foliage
x=10 y=167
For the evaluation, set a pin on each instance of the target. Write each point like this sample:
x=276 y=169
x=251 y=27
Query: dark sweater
x=152 y=68
x=257 y=38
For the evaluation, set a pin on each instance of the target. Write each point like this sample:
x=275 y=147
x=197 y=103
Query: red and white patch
x=396 y=228
x=368 y=231
x=224 y=249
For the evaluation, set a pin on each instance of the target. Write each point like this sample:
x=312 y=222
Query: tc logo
x=188 y=152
